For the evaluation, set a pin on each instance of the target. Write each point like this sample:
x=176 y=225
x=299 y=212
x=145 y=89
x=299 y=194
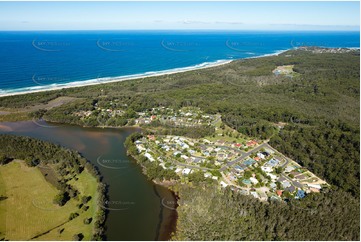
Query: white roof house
x=273 y=176
x=207 y=174
x=178 y=170
x=140 y=148
x=260 y=155
x=253 y=180
x=186 y=171
x=317 y=186
x=266 y=169
x=286 y=184
x=255 y=194
x=176 y=153
x=184 y=157
x=149 y=156
x=223 y=184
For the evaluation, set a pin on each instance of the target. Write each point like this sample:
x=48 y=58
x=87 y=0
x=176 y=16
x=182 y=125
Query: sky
x=179 y=15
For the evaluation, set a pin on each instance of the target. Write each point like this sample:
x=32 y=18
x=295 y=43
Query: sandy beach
x=105 y=80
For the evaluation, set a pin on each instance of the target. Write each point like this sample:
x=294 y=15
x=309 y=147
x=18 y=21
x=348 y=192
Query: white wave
x=102 y=80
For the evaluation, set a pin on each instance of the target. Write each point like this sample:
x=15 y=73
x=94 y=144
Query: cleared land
x=20 y=114
x=28 y=211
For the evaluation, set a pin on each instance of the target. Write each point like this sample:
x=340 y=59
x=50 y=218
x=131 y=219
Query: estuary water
x=137 y=208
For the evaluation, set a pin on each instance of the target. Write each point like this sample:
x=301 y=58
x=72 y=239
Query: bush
x=87 y=220
x=78 y=237
x=73 y=216
x=61 y=198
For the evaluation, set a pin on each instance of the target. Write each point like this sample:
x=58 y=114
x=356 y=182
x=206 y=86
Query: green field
x=29 y=213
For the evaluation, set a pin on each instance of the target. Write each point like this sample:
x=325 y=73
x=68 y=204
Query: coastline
x=170 y=227
x=106 y=80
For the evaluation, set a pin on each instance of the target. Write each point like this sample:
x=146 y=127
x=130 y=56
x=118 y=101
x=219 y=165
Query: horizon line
x=193 y=30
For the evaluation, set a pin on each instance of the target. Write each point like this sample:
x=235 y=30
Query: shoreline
x=166 y=184
x=107 y=80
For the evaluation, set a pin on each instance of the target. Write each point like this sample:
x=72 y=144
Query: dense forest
x=318 y=108
x=206 y=213
x=65 y=162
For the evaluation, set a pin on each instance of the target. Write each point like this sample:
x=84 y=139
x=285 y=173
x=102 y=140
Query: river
x=138 y=209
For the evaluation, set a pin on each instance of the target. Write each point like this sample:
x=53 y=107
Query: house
x=196 y=159
x=289 y=168
x=266 y=169
x=316 y=186
x=177 y=153
x=312 y=189
x=220 y=142
x=251 y=143
x=281 y=179
x=206 y=141
x=238 y=168
x=220 y=156
x=184 y=145
x=300 y=194
x=279 y=193
x=249 y=162
x=151 y=137
x=255 y=194
x=149 y=156
x=261 y=156
x=263 y=197
x=285 y=184
x=184 y=157
x=140 y=148
x=253 y=180
x=297 y=184
x=273 y=177
x=207 y=174
x=178 y=170
x=273 y=162
x=257 y=158
x=246 y=182
x=244 y=192
x=206 y=153
x=273 y=185
x=290 y=189
x=191 y=151
x=275 y=198
x=223 y=184
x=265 y=153
x=186 y=171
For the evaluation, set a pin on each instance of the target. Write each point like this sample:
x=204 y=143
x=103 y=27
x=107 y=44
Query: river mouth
x=136 y=207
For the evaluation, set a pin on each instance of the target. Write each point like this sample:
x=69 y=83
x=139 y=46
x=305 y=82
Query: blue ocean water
x=41 y=60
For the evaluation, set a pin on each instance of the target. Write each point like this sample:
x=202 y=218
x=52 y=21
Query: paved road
x=244 y=155
x=226 y=147
x=294 y=183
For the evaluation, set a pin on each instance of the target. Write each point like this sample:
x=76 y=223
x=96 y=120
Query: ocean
x=43 y=60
